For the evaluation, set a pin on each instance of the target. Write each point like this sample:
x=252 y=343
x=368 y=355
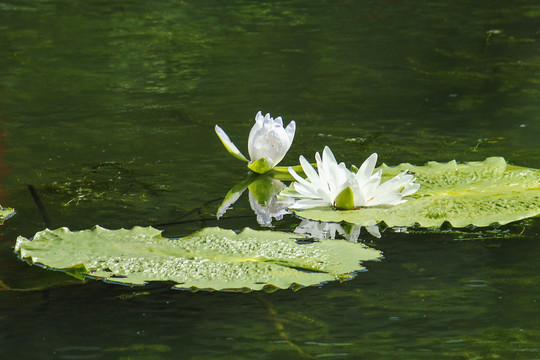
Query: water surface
x=108 y=108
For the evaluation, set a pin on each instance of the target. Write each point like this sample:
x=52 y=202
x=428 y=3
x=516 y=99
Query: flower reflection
x=263 y=191
x=324 y=230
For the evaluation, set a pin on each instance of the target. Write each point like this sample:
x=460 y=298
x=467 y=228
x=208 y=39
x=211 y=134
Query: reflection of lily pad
x=5 y=213
x=212 y=258
x=477 y=193
x=38 y=282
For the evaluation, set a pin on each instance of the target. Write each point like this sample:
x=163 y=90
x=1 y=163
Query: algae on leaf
x=477 y=193
x=212 y=258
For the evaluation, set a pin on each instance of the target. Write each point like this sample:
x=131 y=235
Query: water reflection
x=326 y=230
x=263 y=191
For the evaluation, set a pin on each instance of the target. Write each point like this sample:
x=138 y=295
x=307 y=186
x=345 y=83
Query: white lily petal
x=371 y=186
x=307 y=204
x=305 y=191
x=342 y=178
x=258 y=124
x=359 y=197
x=259 y=117
x=310 y=171
x=385 y=199
x=365 y=171
x=410 y=189
x=327 y=166
x=407 y=184
x=325 y=196
x=298 y=177
x=391 y=185
x=290 y=130
x=231 y=148
x=268 y=139
x=329 y=155
x=256 y=128
x=320 y=170
x=336 y=175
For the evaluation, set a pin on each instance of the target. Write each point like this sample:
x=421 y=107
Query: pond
x=107 y=111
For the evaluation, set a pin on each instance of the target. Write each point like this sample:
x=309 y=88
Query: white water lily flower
x=333 y=184
x=268 y=142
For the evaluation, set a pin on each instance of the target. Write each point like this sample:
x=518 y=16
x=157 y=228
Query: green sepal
x=260 y=166
x=345 y=199
x=229 y=145
x=285 y=169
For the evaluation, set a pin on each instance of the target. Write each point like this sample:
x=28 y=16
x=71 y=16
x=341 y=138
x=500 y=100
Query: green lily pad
x=5 y=213
x=477 y=193
x=212 y=258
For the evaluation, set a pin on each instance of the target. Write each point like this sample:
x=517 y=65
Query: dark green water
x=108 y=109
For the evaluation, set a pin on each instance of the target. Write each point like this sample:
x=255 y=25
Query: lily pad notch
x=210 y=259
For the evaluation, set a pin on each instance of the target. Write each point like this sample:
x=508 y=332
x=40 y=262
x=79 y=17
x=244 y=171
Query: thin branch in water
x=39 y=205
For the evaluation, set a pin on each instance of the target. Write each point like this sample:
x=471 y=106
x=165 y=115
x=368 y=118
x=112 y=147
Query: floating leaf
x=5 y=213
x=212 y=258
x=477 y=193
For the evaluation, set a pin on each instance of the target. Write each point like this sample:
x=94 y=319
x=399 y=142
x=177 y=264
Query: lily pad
x=5 y=213
x=477 y=193
x=212 y=258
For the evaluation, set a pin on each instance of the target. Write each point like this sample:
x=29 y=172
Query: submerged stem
x=280 y=328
